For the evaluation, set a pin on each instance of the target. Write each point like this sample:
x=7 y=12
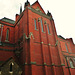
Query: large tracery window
x=7 y=34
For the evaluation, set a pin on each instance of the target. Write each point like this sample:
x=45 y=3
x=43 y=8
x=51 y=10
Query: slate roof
x=4 y=62
x=61 y=37
x=8 y=20
x=1 y=62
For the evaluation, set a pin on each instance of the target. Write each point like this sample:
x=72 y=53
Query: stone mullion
x=42 y=49
x=51 y=59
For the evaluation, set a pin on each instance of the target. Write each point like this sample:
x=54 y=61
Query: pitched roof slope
x=8 y=20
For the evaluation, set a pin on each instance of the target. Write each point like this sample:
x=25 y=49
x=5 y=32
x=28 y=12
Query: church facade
x=30 y=45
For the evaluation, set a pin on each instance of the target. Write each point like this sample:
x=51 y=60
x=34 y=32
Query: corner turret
x=20 y=9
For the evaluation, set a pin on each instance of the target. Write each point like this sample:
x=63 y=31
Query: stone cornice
x=39 y=13
x=6 y=24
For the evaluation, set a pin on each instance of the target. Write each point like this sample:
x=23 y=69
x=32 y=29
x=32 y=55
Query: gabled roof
x=8 y=20
x=2 y=63
x=10 y=60
x=37 y=5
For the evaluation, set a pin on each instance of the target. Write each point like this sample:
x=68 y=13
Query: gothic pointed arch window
x=7 y=34
x=11 y=67
x=71 y=63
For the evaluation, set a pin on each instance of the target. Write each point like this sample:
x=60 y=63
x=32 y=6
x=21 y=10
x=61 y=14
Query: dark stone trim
x=38 y=42
x=45 y=44
x=71 y=67
x=34 y=63
x=6 y=49
x=7 y=44
x=69 y=56
x=68 y=52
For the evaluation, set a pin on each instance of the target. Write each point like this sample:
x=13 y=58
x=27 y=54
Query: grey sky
x=63 y=12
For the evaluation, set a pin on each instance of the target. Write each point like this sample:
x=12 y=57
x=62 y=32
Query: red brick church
x=30 y=45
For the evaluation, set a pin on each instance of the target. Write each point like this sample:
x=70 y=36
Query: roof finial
x=27 y=3
x=20 y=8
x=27 y=0
x=48 y=13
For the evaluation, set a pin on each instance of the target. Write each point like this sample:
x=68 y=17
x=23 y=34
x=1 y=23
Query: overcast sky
x=63 y=12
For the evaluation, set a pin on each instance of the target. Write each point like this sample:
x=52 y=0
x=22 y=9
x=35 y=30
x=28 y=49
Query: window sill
x=72 y=67
x=36 y=29
x=6 y=41
x=10 y=71
x=49 y=34
x=0 y=72
x=43 y=32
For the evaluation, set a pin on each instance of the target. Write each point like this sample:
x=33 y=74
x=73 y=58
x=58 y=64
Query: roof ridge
x=8 y=19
